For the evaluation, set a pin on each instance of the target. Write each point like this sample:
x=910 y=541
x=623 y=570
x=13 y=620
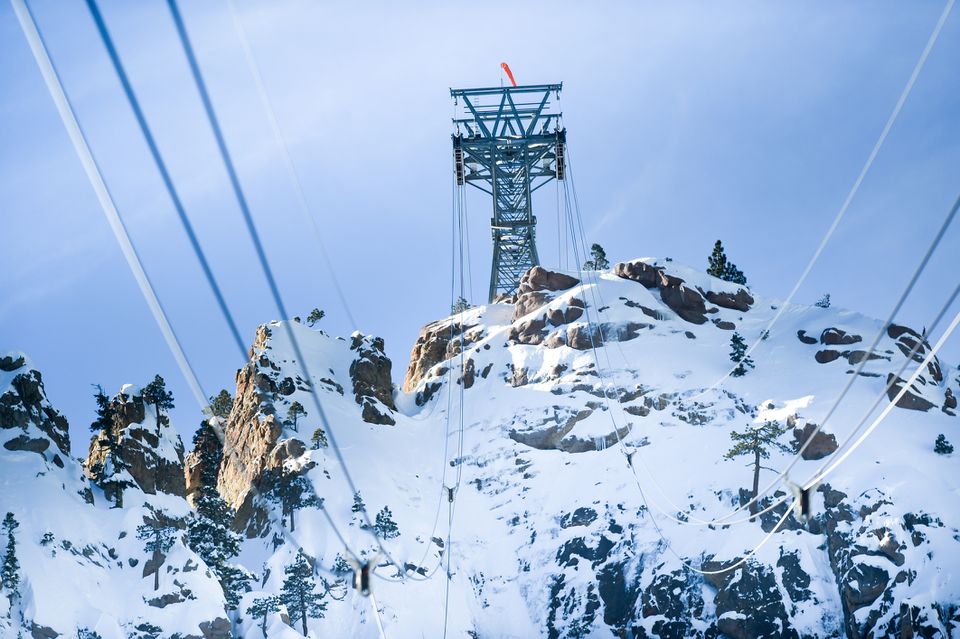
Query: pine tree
x=221 y=404
x=86 y=633
x=315 y=316
x=738 y=355
x=358 y=508
x=460 y=306
x=719 y=266
x=340 y=566
x=598 y=259
x=261 y=607
x=159 y=535
x=823 y=302
x=942 y=446
x=156 y=393
x=109 y=473
x=385 y=526
x=293 y=491
x=757 y=441
x=299 y=593
x=209 y=448
x=294 y=413
x=10 y=571
x=319 y=439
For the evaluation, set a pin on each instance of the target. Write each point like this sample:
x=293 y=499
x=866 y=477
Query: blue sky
x=687 y=122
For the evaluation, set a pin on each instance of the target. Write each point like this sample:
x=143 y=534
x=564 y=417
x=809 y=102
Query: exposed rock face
x=739 y=301
x=153 y=456
x=27 y=420
x=251 y=434
x=372 y=384
x=822 y=445
x=837 y=337
x=535 y=288
x=685 y=302
x=749 y=603
x=911 y=400
x=437 y=342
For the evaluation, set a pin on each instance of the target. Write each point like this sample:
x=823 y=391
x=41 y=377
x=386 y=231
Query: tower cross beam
x=508 y=143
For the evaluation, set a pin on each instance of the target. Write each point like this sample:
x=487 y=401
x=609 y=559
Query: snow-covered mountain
x=552 y=537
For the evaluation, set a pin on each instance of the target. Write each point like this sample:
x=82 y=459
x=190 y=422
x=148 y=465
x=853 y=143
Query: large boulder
x=823 y=444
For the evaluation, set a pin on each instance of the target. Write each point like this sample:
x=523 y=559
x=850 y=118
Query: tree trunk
x=157 y=405
x=756 y=481
x=156 y=572
x=263 y=624
x=303 y=613
x=292 y=524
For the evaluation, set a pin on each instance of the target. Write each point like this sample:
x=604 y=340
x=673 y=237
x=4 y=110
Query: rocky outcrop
x=912 y=398
x=739 y=301
x=251 y=434
x=372 y=384
x=27 y=420
x=820 y=446
x=682 y=300
x=152 y=455
x=535 y=288
x=438 y=342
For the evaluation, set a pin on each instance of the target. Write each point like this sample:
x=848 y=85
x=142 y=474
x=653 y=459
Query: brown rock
x=372 y=382
x=437 y=342
x=540 y=279
x=685 y=302
x=826 y=356
x=837 y=337
x=910 y=400
x=640 y=272
x=823 y=444
x=739 y=301
x=806 y=339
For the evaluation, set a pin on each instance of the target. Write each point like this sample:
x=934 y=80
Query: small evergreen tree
x=156 y=393
x=738 y=355
x=86 y=633
x=824 y=302
x=261 y=607
x=294 y=491
x=299 y=593
x=460 y=306
x=719 y=266
x=10 y=571
x=340 y=566
x=319 y=439
x=757 y=441
x=209 y=448
x=294 y=413
x=358 y=508
x=598 y=259
x=315 y=316
x=942 y=446
x=385 y=526
x=221 y=404
x=159 y=535
x=111 y=472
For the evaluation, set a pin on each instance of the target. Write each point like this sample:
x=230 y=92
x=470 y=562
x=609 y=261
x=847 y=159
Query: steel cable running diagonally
x=690 y=519
x=268 y=272
x=818 y=477
x=594 y=327
x=281 y=140
x=846 y=203
x=724 y=520
x=168 y=183
x=898 y=107
x=94 y=174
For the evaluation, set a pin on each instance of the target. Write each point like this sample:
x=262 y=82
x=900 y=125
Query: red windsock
x=506 y=67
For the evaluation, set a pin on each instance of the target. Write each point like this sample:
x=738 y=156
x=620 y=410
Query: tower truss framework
x=509 y=142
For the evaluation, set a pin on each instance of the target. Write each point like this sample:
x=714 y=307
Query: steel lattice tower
x=508 y=143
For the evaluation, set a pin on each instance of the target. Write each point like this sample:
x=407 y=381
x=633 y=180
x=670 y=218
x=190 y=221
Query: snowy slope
x=552 y=536
x=81 y=563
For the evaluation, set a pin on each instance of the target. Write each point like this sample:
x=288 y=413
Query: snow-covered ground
x=552 y=533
